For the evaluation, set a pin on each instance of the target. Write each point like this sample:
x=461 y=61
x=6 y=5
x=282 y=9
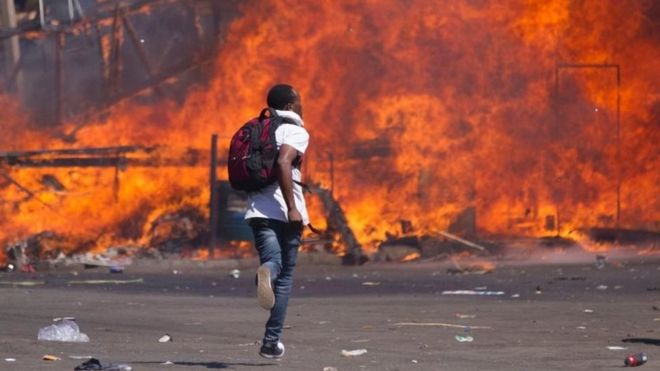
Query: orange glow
x=410 y=257
x=429 y=108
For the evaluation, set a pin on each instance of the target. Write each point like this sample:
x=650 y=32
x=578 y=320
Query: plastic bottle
x=634 y=360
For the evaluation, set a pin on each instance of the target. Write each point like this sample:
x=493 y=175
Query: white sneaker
x=265 y=293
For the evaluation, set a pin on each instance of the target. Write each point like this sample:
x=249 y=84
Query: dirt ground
x=557 y=316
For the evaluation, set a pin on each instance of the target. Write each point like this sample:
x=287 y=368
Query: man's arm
x=285 y=179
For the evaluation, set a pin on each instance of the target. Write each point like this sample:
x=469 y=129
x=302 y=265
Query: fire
x=428 y=108
x=410 y=257
x=233 y=249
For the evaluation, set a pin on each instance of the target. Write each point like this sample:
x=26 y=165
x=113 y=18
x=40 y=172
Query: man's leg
x=267 y=242
x=290 y=238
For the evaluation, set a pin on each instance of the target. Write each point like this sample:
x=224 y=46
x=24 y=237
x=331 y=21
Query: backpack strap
x=272 y=113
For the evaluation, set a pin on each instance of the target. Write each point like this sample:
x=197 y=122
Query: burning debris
x=175 y=231
x=437 y=246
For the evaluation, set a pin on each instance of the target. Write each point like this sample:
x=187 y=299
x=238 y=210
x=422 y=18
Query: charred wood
x=337 y=221
x=121 y=157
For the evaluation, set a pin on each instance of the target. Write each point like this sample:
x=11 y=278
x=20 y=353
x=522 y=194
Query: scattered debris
x=616 y=348
x=439 y=324
x=50 y=357
x=80 y=357
x=573 y=278
x=369 y=283
x=338 y=222
x=256 y=343
x=472 y=269
x=353 y=353
x=235 y=273
x=63 y=330
x=174 y=230
x=58 y=319
x=23 y=283
x=113 y=258
x=600 y=261
x=634 y=360
x=464 y=339
x=7 y=268
x=103 y=282
x=472 y=292
x=95 y=364
x=463 y=241
x=165 y=339
x=361 y=341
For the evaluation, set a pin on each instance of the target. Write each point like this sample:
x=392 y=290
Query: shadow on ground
x=646 y=341
x=209 y=365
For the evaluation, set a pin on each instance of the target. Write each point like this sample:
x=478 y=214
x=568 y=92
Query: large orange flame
x=427 y=107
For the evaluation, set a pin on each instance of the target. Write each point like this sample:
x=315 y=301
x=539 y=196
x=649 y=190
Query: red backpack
x=253 y=152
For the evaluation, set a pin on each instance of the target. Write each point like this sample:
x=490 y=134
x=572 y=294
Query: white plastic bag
x=64 y=330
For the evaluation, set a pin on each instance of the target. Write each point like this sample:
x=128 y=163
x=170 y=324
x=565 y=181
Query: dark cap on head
x=280 y=95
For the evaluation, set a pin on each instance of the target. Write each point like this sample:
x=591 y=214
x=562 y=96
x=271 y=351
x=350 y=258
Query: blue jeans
x=277 y=243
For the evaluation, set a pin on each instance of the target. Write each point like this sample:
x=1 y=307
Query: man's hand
x=294 y=217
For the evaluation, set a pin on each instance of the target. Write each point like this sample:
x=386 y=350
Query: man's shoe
x=272 y=350
x=265 y=293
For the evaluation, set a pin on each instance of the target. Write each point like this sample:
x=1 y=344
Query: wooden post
x=332 y=174
x=59 y=77
x=11 y=47
x=130 y=30
x=113 y=63
x=213 y=204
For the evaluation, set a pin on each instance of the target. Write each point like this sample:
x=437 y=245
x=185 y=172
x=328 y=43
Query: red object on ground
x=634 y=360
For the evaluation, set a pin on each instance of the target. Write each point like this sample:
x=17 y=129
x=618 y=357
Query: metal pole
x=42 y=16
x=213 y=205
x=71 y=15
x=79 y=8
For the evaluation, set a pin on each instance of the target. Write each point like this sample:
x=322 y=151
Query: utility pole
x=11 y=49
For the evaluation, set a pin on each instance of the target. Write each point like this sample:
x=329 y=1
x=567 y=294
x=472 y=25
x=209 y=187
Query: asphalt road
x=548 y=317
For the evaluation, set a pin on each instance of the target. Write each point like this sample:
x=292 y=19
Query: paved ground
x=214 y=320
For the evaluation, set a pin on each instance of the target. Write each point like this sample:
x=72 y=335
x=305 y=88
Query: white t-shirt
x=269 y=202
